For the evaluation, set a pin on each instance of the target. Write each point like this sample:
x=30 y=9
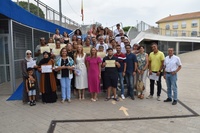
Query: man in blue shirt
x=131 y=67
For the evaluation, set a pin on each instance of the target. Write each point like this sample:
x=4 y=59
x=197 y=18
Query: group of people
x=110 y=60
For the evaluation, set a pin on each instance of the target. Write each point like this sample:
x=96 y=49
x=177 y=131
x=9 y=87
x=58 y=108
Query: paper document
x=154 y=76
x=31 y=64
x=110 y=63
x=46 y=68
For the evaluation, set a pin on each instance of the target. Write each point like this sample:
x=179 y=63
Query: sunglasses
x=28 y=54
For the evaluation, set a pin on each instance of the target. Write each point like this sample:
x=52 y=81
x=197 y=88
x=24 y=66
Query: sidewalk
x=147 y=115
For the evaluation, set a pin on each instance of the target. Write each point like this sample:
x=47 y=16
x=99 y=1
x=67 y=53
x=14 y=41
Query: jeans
x=65 y=88
x=171 y=85
x=129 y=81
x=121 y=80
x=159 y=86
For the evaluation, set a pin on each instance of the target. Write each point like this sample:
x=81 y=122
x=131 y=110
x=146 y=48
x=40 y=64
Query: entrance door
x=4 y=59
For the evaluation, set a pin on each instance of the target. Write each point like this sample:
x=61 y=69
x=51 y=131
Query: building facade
x=186 y=25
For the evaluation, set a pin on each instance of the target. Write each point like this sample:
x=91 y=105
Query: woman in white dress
x=81 y=81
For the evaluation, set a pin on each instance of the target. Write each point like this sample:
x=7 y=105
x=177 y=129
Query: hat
x=28 y=51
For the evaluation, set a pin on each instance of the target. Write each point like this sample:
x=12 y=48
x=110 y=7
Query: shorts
x=111 y=81
x=32 y=92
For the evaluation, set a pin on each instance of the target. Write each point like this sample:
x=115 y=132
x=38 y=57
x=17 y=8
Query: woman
x=47 y=80
x=75 y=45
x=142 y=67
x=64 y=66
x=57 y=35
x=27 y=59
x=87 y=42
x=66 y=38
x=94 y=73
x=78 y=33
x=81 y=81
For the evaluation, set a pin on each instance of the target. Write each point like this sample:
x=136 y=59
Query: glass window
x=194 y=23
x=183 y=25
x=175 y=25
x=167 y=27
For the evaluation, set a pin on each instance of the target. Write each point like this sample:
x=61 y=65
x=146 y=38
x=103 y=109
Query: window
x=167 y=27
x=167 y=32
x=194 y=23
x=175 y=25
x=183 y=33
x=183 y=25
x=175 y=33
x=194 y=33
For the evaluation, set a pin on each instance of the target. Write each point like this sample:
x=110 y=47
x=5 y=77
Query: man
x=116 y=31
x=94 y=41
x=122 y=70
x=123 y=50
x=156 y=60
x=118 y=36
x=172 y=65
x=101 y=43
x=111 y=64
x=39 y=56
x=131 y=67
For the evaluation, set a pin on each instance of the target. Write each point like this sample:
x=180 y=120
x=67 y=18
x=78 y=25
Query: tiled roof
x=180 y=17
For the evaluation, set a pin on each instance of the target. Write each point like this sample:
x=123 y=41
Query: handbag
x=140 y=84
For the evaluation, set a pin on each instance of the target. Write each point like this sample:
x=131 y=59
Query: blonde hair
x=77 y=52
x=91 y=52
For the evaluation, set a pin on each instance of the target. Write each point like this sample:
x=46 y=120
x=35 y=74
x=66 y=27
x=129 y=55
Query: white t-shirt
x=123 y=49
x=171 y=64
x=104 y=45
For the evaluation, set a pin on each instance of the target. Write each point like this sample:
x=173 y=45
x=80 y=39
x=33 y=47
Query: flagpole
x=82 y=15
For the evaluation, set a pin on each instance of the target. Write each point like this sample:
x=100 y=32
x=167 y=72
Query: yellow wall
x=188 y=28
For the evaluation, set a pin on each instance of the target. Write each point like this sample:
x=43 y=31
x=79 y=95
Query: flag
x=82 y=10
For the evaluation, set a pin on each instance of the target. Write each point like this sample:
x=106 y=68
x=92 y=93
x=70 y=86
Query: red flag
x=82 y=10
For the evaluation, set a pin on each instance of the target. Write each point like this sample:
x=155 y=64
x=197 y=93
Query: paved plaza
x=128 y=116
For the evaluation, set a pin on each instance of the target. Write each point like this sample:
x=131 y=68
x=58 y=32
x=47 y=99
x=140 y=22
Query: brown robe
x=52 y=79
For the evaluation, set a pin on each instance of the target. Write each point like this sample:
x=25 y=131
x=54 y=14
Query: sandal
x=141 y=96
x=116 y=99
x=107 y=99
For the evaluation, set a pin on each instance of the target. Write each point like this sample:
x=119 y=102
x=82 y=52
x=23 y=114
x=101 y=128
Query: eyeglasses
x=28 y=54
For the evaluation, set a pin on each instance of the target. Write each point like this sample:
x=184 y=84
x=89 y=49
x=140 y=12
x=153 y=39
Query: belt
x=168 y=72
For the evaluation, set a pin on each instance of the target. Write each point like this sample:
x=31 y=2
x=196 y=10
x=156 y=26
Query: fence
x=52 y=15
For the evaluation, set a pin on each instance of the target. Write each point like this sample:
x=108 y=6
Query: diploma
x=44 y=48
x=110 y=63
x=153 y=76
x=86 y=50
x=56 y=51
x=62 y=45
x=31 y=64
x=101 y=54
x=46 y=68
x=51 y=45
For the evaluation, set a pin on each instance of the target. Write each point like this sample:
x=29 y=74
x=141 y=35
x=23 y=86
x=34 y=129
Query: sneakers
x=62 y=101
x=150 y=97
x=31 y=103
x=174 y=102
x=122 y=96
x=158 y=98
x=34 y=103
x=68 y=100
x=168 y=100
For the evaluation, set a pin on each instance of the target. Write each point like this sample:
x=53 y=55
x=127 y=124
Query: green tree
x=33 y=8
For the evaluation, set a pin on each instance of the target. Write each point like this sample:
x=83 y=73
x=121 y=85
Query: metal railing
x=52 y=15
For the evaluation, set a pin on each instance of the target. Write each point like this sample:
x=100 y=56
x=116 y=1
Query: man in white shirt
x=118 y=36
x=116 y=31
x=172 y=65
x=101 y=43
